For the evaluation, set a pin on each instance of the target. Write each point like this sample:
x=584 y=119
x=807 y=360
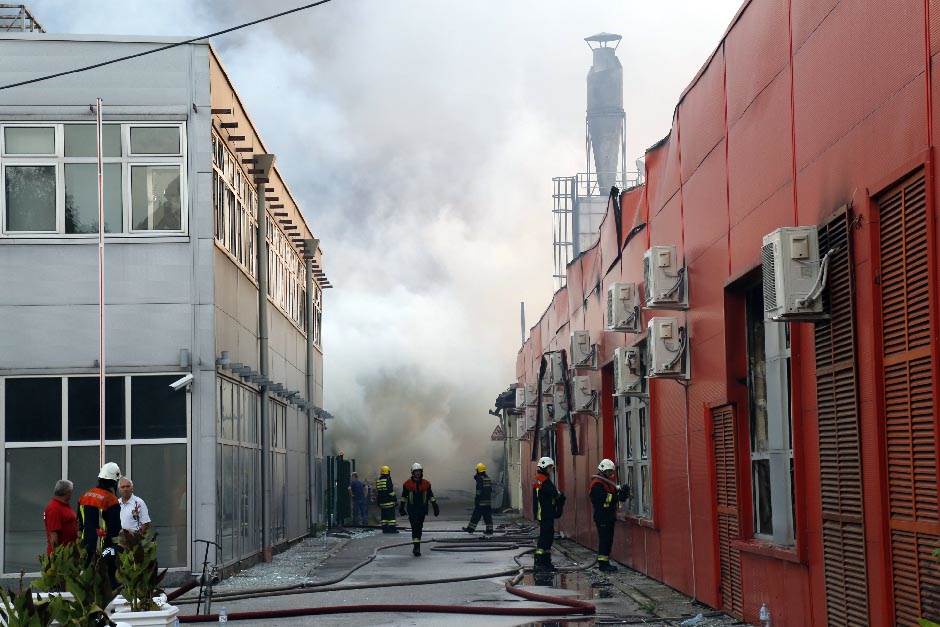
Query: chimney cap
x=602 y=39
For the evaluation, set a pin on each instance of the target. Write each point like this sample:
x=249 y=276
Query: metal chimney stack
x=605 y=115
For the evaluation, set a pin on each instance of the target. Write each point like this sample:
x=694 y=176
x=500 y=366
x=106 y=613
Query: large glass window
x=235 y=203
x=83 y=408
x=30 y=196
x=81 y=198
x=31 y=474
x=50 y=179
x=161 y=482
x=156 y=410
x=33 y=409
x=286 y=274
x=36 y=450
x=771 y=446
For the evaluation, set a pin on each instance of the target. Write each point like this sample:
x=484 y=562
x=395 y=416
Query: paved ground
x=625 y=598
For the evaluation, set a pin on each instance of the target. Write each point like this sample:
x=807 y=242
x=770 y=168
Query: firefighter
x=415 y=495
x=605 y=494
x=548 y=504
x=482 y=501
x=99 y=517
x=385 y=497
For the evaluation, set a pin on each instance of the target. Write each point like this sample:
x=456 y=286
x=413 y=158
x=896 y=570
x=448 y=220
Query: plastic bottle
x=223 y=615
x=764 y=615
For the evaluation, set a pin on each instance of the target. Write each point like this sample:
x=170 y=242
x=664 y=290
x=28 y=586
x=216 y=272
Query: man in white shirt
x=134 y=514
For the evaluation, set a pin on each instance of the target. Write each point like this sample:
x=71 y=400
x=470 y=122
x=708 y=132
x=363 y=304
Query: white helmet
x=606 y=465
x=416 y=466
x=545 y=462
x=110 y=471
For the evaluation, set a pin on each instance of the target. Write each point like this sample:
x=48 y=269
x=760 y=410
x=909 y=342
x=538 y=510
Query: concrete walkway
x=625 y=598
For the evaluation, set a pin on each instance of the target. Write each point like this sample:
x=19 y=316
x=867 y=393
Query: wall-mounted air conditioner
x=529 y=422
x=623 y=308
x=520 y=397
x=583 y=354
x=794 y=277
x=664 y=278
x=668 y=344
x=585 y=396
x=628 y=371
x=557 y=366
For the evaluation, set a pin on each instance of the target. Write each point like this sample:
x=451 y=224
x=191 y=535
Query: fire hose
x=563 y=606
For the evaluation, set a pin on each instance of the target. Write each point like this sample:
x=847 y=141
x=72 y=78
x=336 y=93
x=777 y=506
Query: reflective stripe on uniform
x=603 y=558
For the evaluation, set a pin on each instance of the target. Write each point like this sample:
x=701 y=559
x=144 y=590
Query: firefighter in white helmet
x=548 y=504
x=605 y=494
x=416 y=496
x=99 y=518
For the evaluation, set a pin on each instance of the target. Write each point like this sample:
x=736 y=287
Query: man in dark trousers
x=482 y=501
x=416 y=495
x=360 y=506
x=99 y=517
x=605 y=494
x=548 y=504
x=385 y=497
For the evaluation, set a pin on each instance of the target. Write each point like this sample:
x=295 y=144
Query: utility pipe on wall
x=264 y=163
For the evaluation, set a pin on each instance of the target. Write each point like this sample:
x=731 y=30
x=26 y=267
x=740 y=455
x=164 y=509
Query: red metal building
x=819 y=113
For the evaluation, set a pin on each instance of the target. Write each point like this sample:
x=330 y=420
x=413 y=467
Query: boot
x=549 y=567
x=416 y=551
x=469 y=529
x=606 y=567
x=488 y=532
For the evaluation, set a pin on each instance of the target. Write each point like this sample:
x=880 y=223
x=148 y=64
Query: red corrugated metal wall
x=759 y=142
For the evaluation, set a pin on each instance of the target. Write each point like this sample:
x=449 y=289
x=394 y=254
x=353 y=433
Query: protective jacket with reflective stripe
x=484 y=493
x=604 y=497
x=99 y=518
x=545 y=498
x=385 y=491
x=416 y=496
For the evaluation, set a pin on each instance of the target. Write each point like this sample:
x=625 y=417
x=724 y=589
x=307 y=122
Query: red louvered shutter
x=840 y=470
x=726 y=478
x=909 y=399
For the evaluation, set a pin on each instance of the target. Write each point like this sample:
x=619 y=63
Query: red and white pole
x=101 y=367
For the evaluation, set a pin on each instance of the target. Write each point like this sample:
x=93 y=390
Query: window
x=286 y=274
x=156 y=410
x=33 y=409
x=235 y=203
x=632 y=433
x=278 y=428
x=771 y=443
x=50 y=179
x=83 y=408
x=52 y=429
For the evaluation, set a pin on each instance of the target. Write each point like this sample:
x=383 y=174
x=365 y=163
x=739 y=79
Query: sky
x=420 y=138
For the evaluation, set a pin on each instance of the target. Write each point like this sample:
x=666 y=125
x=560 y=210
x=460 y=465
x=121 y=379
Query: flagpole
x=101 y=364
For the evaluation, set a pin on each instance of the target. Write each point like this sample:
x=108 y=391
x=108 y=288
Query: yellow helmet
x=385 y=470
x=481 y=467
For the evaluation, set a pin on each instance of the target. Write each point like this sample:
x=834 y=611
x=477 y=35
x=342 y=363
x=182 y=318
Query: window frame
x=631 y=431
x=779 y=454
x=126 y=160
x=127 y=443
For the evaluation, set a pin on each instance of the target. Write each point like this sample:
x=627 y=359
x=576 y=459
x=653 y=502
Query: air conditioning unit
x=623 y=308
x=585 y=396
x=560 y=400
x=668 y=344
x=583 y=353
x=794 y=277
x=664 y=279
x=531 y=398
x=520 y=397
x=628 y=371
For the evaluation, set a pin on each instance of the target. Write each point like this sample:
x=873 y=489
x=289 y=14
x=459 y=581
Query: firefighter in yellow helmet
x=385 y=497
x=482 y=501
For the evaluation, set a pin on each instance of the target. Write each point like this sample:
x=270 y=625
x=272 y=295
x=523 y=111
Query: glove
x=437 y=510
x=401 y=510
x=623 y=492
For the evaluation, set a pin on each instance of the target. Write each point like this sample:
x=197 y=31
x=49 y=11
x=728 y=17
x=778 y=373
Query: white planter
x=165 y=617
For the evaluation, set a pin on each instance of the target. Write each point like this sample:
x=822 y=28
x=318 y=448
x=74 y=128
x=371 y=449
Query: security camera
x=182 y=382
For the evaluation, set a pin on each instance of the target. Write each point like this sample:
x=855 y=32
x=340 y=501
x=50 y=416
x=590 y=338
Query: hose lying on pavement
x=562 y=606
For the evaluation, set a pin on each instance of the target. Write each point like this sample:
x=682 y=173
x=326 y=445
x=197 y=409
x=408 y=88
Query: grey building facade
x=183 y=266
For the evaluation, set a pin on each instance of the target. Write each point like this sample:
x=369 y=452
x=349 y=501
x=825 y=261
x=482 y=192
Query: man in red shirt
x=59 y=517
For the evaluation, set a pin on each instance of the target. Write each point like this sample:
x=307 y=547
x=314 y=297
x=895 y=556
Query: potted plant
x=22 y=609
x=78 y=590
x=140 y=579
